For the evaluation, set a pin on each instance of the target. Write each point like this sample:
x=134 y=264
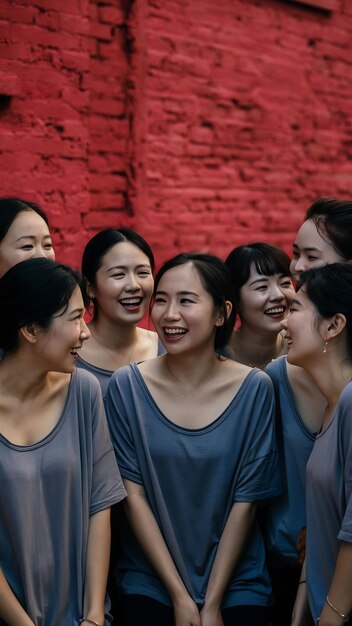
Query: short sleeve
x=345 y=444
x=107 y=486
x=259 y=476
x=120 y=413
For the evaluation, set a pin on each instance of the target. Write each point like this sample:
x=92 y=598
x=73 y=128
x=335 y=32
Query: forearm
x=146 y=529
x=98 y=555
x=232 y=543
x=340 y=592
x=11 y=610
x=301 y=615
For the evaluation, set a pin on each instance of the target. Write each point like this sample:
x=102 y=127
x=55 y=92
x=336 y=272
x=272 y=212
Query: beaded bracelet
x=89 y=621
x=345 y=617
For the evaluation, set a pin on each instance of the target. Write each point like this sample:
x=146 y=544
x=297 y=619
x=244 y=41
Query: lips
x=174 y=333
x=276 y=311
x=131 y=303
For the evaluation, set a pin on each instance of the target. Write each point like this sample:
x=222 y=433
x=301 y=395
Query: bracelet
x=335 y=609
x=302 y=581
x=89 y=621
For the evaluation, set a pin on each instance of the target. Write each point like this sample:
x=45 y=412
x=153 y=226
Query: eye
x=144 y=273
x=48 y=246
x=118 y=275
x=159 y=300
x=295 y=254
x=286 y=284
x=186 y=301
x=312 y=258
x=28 y=246
x=261 y=288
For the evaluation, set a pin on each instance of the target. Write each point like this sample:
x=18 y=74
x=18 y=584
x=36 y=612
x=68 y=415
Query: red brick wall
x=201 y=125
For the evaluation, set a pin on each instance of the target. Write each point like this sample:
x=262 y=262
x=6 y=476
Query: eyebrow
x=32 y=237
x=124 y=267
x=307 y=249
x=264 y=279
x=179 y=293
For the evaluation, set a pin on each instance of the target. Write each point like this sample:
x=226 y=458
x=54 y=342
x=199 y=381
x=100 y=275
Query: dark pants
x=143 y=611
x=285 y=584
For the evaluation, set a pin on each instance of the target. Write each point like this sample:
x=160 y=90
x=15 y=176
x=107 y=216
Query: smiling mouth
x=276 y=311
x=174 y=332
x=131 y=303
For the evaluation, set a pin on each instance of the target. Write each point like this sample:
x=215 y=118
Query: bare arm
x=11 y=610
x=301 y=614
x=98 y=554
x=340 y=592
x=153 y=544
x=230 y=548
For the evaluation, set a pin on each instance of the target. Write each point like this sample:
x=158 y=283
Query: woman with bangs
x=263 y=290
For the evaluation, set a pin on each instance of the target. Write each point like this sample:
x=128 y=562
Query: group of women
x=207 y=451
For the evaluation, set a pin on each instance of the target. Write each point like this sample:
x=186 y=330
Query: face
x=27 y=237
x=304 y=331
x=265 y=300
x=123 y=284
x=59 y=344
x=183 y=312
x=311 y=250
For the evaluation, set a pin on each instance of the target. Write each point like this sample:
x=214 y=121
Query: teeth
x=276 y=310
x=131 y=301
x=174 y=331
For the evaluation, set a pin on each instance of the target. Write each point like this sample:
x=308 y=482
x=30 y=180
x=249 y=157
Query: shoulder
x=345 y=399
x=276 y=367
x=84 y=379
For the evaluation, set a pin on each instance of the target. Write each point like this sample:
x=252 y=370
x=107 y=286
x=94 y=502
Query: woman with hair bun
x=118 y=264
x=195 y=441
x=58 y=472
x=319 y=334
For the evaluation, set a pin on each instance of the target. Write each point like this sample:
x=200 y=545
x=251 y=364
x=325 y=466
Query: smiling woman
x=194 y=437
x=263 y=290
x=119 y=266
x=24 y=233
x=58 y=472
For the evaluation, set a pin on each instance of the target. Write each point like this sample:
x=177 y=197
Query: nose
x=85 y=332
x=132 y=282
x=171 y=312
x=39 y=252
x=299 y=266
x=276 y=293
x=284 y=323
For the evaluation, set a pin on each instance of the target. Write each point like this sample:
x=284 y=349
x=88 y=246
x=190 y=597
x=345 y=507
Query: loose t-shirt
x=287 y=513
x=192 y=477
x=329 y=500
x=48 y=491
x=104 y=375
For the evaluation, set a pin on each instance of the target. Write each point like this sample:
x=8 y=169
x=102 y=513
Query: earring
x=325 y=349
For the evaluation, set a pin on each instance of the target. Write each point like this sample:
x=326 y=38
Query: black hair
x=11 y=207
x=216 y=280
x=33 y=291
x=333 y=220
x=329 y=288
x=103 y=241
x=267 y=260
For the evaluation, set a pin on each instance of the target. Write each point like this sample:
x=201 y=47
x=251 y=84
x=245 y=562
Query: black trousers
x=143 y=611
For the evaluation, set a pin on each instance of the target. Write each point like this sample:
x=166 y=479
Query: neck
x=113 y=336
x=21 y=376
x=330 y=375
x=191 y=369
x=255 y=348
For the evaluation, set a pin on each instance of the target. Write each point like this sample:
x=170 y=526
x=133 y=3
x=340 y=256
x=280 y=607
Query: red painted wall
x=203 y=126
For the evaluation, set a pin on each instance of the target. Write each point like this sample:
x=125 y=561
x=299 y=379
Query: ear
x=335 y=326
x=30 y=333
x=91 y=292
x=220 y=318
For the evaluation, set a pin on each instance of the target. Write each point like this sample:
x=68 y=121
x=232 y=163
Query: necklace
x=112 y=355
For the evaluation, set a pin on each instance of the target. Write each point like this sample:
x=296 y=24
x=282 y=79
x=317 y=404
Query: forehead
x=27 y=223
x=255 y=275
x=124 y=253
x=182 y=278
x=308 y=236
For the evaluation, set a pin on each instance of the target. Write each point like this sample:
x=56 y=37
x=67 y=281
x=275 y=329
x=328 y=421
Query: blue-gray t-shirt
x=48 y=491
x=329 y=500
x=287 y=513
x=103 y=375
x=192 y=477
